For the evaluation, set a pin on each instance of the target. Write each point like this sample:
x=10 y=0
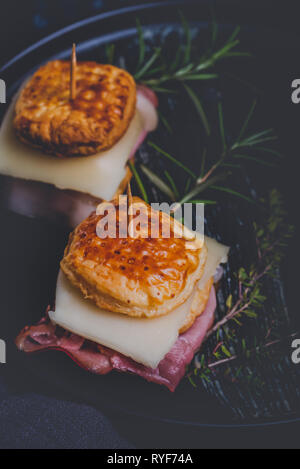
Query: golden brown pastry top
x=143 y=277
x=94 y=121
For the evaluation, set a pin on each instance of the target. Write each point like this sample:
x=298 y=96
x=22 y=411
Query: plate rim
x=73 y=27
x=90 y=20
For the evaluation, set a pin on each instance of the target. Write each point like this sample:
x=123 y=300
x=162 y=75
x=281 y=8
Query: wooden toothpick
x=129 y=201
x=129 y=195
x=73 y=74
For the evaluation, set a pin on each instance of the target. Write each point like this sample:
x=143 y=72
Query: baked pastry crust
x=140 y=277
x=94 y=121
x=199 y=303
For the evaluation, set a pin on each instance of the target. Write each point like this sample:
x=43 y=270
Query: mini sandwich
x=137 y=304
x=67 y=136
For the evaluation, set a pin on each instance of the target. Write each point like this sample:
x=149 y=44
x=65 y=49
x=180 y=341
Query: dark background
x=23 y=23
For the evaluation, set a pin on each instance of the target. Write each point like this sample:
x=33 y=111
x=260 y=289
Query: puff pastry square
x=138 y=276
x=94 y=121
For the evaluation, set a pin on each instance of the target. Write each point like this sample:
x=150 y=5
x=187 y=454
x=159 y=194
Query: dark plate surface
x=31 y=249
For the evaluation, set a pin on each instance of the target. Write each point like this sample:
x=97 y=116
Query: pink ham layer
x=101 y=360
x=38 y=199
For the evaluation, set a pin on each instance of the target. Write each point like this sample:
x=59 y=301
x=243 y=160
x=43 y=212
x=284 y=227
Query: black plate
x=31 y=249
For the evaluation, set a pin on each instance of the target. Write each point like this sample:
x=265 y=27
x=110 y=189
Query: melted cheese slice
x=216 y=254
x=147 y=341
x=98 y=175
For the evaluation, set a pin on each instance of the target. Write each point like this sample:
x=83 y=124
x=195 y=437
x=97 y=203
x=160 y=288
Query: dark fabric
x=38 y=422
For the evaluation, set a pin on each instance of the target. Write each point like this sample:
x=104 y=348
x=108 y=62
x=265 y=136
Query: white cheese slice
x=147 y=341
x=217 y=254
x=98 y=175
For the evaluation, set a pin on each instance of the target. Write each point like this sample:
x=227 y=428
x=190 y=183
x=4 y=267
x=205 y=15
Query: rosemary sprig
x=198 y=106
x=271 y=237
x=184 y=67
x=232 y=192
x=110 y=53
x=230 y=154
x=138 y=181
x=270 y=240
x=173 y=185
x=147 y=65
x=142 y=47
x=205 y=369
x=165 y=122
x=170 y=157
x=246 y=353
x=158 y=182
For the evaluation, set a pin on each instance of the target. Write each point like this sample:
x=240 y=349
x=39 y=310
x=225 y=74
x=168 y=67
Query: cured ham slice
x=101 y=360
